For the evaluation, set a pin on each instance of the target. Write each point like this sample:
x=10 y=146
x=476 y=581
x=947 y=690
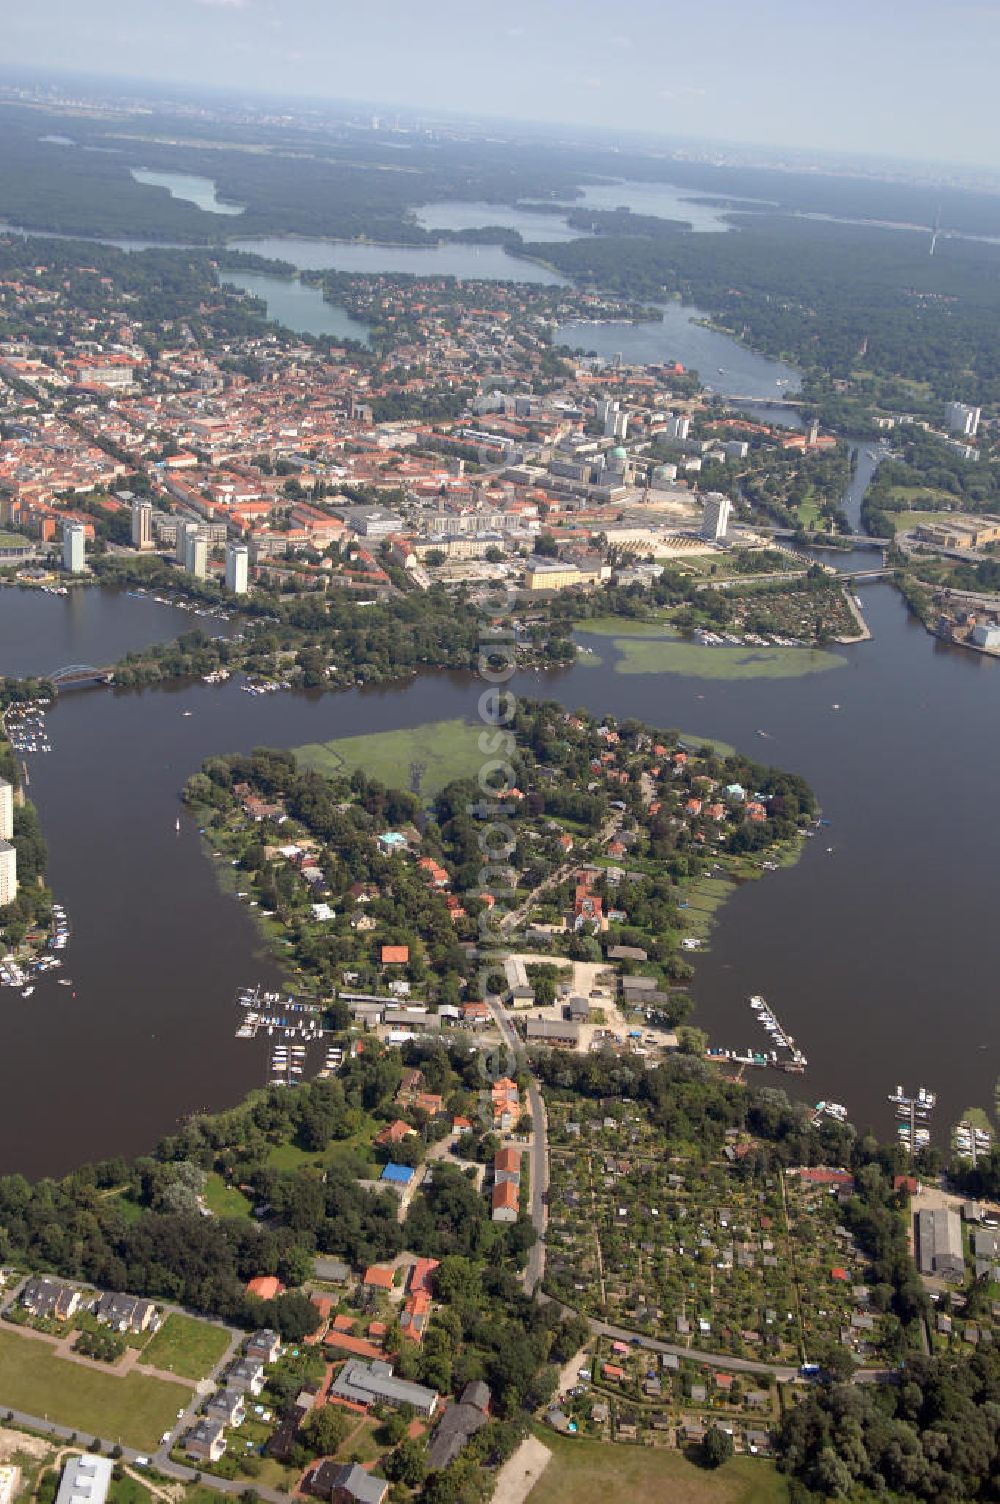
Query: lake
x=532 y=224
x=187 y=187
x=470 y=262
x=298 y=306
x=724 y=364
x=662 y=200
x=303 y=309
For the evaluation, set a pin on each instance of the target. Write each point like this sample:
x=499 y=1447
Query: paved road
x=83 y=1439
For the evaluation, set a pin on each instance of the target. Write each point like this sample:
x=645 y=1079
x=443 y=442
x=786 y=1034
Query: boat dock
x=913 y=1111
x=292 y=1022
x=784 y=1054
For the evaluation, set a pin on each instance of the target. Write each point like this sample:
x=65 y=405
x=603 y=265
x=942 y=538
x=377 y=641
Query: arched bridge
x=75 y=675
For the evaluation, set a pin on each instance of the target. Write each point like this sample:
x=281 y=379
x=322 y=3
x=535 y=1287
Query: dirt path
x=521 y=1472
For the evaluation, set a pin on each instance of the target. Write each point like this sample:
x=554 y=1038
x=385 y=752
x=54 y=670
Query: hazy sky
x=888 y=77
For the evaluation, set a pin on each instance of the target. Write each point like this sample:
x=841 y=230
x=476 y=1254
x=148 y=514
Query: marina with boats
x=292 y=1022
x=23 y=972
x=784 y=1054
x=913 y=1111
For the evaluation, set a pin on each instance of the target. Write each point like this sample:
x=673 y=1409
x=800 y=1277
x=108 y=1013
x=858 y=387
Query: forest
x=840 y=300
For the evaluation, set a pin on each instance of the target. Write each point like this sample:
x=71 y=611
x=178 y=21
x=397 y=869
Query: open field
x=447 y=750
x=590 y=1472
x=225 y=1200
x=135 y=1408
x=665 y=656
x=13 y=540
x=186 y=1347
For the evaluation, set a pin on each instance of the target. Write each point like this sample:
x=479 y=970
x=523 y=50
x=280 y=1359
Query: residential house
x=506 y=1201
x=247 y=1375
x=228 y=1407
x=50 y=1298
x=206 y=1441
x=126 y=1313
x=264 y=1346
x=345 y=1483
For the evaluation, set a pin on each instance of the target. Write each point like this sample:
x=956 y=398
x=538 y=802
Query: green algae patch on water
x=691 y=659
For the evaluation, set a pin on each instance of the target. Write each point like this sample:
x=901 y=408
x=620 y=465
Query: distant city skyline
x=881 y=78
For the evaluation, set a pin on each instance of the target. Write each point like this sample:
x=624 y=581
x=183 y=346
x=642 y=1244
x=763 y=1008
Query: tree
x=324 y=1430
x=716 y=1448
x=406 y=1464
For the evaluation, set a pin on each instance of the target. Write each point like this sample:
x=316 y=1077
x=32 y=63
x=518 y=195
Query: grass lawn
x=128 y=1490
x=186 y=1346
x=590 y=1472
x=13 y=540
x=225 y=1200
x=692 y=739
x=447 y=750
x=907 y=521
x=651 y=647
x=626 y=626
x=136 y=1408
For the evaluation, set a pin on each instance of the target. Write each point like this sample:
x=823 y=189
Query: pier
x=784 y=1056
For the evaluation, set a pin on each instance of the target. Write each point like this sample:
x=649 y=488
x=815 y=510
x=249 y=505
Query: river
x=42 y=633
x=878 y=955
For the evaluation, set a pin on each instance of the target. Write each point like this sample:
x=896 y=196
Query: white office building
x=237 y=569
x=8 y=873
x=196 y=553
x=86 y=1479
x=142 y=524
x=962 y=419
x=74 y=547
x=715 y=522
x=677 y=428
x=6 y=810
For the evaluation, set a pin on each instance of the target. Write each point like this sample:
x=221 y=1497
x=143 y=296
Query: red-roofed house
x=378 y=1278
x=265 y=1286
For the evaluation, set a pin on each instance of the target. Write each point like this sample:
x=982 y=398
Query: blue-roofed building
x=397 y=1174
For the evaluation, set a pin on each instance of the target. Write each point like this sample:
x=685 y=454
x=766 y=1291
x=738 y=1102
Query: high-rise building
x=8 y=873
x=74 y=547
x=6 y=810
x=142 y=524
x=180 y=550
x=237 y=568
x=962 y=419
x=715 y=522
x=196 y=553
x=677 y=427
x=609 y=413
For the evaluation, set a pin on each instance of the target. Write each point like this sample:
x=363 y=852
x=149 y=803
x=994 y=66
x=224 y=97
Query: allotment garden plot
x=729 y=1254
